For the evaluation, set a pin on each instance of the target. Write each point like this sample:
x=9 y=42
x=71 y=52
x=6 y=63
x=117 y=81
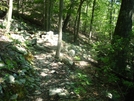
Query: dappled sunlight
x=80 y=50
x=83 y=63
x=43 y=74
x=2 y=65
x=39 y=99
x=63 y=78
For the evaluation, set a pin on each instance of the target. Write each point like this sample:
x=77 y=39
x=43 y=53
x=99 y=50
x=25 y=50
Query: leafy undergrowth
x=30 y=72
x=17 y=73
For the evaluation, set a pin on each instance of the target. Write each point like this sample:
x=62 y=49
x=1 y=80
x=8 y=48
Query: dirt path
x=68 y=79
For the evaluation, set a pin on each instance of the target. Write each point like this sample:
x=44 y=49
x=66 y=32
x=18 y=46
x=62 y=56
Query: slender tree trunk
x=111 y=17
x=85 y=22
x=46 y=15
x=49 y=15
x=18 y=6
x=9 y=16
x=44 y=11
x=92 y=19
x=22 y=6
x=78 y=24
x=77 y=21
x=60 y=30
x=65 y=22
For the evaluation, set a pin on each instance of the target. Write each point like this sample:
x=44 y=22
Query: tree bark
x=121 y=36
x=85 y=22
x=68 y=15
x=111 y=17
x=47 y=15
x=77 y=21
x=60 y=30
x=92 y=19
x=9 y=16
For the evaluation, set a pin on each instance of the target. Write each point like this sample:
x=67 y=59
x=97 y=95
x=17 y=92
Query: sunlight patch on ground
x=40 y=56
x=39 y=99
x=43 y=74
x=59 y=91
x=83 y=63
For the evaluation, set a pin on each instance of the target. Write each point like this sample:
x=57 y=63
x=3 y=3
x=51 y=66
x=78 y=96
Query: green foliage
x=38 y=1
x=82 y=83
x=112 y=78
x=11 y=64
x=22 y=76
x=128 y=84
x=3 y=5
x=77 y=58
x=83 y=78
x=3 y=8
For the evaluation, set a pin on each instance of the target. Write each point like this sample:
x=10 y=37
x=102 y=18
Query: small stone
x=72 y=53
x=60 y=91
x=17 y=37
x=43 y=74
x=53 y=71
x=11 y=79
x=39 y=99
x=21 y=49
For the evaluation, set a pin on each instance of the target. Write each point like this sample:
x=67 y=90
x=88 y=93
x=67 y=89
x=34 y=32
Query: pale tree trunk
x=60 y=30
x=9 y=16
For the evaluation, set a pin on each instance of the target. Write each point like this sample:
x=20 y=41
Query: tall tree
x=47 y=14
x=111 y=16
x=60 y=29
x=9 y=16
x=121 y=36
x=77 y=21
x=86 y=19
x=92 y=18
x=68 y=15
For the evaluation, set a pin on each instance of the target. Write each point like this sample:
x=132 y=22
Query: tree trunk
x=85 y=22
x=60 y=30
x=77 y=21
x=50 y=15
x=111 y=17
x=22 y=6
x=9 y=16
x=47 y=15
x=18 y=6
x=121 y=36
x=92 y=18
x=68 y=15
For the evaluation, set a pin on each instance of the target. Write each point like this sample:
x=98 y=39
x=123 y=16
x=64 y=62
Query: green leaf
x=14 y=97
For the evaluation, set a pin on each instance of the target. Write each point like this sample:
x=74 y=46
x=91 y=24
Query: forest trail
x=71 y=78
x=57 y=77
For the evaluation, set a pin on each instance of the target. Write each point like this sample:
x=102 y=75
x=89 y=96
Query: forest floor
x=74 y=77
